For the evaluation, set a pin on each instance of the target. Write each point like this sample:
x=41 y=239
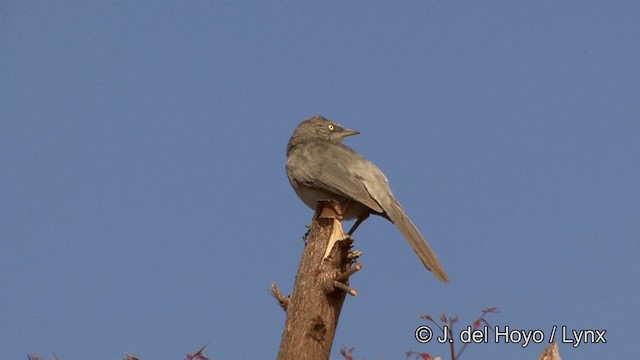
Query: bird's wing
x=338 y=169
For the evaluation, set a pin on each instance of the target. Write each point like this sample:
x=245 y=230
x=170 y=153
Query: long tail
x=415 y=239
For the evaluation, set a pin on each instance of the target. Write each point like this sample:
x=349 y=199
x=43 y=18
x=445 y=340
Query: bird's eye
x=331 y=127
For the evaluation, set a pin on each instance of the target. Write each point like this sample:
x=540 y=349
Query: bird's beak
x=349 y=132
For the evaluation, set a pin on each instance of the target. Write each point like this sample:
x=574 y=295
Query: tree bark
x=320 y=288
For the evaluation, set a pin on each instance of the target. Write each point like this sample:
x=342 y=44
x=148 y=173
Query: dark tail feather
x=416 y=240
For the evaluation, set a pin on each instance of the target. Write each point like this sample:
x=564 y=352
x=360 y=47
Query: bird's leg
x=359 y=221
x=356 y=224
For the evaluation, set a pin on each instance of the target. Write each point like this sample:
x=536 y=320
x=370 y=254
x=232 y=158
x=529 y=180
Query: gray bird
x=321 y=167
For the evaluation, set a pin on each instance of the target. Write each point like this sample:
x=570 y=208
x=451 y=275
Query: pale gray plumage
x=321 y=167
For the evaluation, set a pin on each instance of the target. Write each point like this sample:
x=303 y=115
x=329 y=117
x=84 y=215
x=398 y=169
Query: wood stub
x=314 y=306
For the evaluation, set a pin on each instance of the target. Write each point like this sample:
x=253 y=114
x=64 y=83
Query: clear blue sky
x=144 y=206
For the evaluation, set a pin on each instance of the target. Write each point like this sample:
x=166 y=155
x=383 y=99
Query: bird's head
x=319 y=128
